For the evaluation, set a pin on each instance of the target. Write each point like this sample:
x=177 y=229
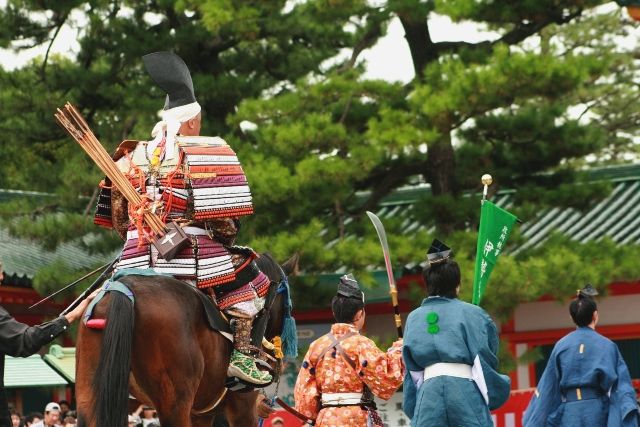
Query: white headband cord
x=171 y=121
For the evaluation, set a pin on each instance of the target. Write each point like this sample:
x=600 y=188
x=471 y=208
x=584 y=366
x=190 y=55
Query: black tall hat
x=349 y=287
x=170 y=72
x=438 y=252
x=588 y=291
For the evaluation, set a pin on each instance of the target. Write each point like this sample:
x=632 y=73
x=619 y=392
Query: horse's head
x=278 y=302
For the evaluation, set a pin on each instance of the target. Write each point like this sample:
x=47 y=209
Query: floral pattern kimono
x=328 y=372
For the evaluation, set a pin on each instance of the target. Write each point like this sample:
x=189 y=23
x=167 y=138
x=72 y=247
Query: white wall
x=614 y=310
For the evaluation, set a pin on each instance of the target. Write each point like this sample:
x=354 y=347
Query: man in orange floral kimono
x=343 y=370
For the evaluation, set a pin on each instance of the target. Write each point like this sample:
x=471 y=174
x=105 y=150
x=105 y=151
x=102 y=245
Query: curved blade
x=382 y=235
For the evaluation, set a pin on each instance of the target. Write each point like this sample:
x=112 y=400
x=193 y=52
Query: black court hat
x=588 y=291
x=349 y=287
x=170 y=72
x=438 y=252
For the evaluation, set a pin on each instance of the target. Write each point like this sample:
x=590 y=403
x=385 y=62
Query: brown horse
x=161 y=349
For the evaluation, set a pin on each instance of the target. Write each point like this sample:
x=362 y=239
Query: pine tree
x=552 y=89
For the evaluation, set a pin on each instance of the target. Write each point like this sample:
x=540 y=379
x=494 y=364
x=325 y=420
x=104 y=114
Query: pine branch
x=424 y=50
x=387 y=178
x=60 y=24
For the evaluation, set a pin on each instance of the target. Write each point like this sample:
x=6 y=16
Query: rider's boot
x=242 y=364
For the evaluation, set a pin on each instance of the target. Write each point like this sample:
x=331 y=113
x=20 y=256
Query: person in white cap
x=51 y=416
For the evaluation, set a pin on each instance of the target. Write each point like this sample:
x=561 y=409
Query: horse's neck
x=276 y=313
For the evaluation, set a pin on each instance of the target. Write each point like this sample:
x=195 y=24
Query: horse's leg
x=169 y=380
x=240 y=409
x=136 y=391
x=88 y=348
x=211 y=394
x=167 y=363
x=203 y=421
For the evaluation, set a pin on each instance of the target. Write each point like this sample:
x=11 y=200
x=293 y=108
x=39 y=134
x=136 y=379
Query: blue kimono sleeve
x=623 y=407
x=498 y=385
x=409 y=389
x=546 y=398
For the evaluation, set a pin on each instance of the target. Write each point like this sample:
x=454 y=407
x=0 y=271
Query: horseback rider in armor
x=198 y=183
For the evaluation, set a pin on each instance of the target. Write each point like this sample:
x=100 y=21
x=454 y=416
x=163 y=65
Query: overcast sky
x=389 y=59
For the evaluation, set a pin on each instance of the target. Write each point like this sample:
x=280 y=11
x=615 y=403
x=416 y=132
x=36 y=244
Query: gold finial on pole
x=486 y=181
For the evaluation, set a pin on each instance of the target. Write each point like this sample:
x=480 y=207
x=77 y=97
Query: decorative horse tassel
x=289 y=336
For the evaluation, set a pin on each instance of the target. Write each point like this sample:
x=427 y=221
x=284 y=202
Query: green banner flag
x=495 y=228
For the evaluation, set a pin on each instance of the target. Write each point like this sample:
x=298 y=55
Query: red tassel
x=96 y=324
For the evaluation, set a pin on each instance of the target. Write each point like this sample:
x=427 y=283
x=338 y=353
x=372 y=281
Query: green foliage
x=58 y=274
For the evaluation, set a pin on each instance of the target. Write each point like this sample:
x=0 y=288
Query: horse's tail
x=111 y=380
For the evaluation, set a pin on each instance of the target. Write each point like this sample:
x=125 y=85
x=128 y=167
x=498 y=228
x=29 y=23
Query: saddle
x=214 y=317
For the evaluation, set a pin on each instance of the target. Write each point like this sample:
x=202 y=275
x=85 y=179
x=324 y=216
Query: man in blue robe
x=450 y=354
x=586 y=381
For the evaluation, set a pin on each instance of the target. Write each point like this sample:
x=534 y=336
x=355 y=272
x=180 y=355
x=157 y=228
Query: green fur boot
x=244 y=367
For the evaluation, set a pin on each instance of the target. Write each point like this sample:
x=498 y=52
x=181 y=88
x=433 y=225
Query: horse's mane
x=270 y=267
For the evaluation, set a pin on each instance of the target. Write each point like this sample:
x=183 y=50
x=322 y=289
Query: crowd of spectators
x=60 y=414
x=144 y=416
x=56 y=414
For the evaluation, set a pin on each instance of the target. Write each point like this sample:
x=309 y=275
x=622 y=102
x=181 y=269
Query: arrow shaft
x=98 y=282
x=75 y=282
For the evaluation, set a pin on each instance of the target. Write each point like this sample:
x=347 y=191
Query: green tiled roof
x=63 y=360
x=616 y=217
x=24 y=257
x=6 y=195
x=31 y=371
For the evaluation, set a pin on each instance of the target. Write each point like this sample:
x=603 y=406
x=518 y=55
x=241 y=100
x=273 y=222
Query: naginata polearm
x=393 y=290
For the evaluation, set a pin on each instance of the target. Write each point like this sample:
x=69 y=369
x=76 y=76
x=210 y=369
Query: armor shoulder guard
x=119 y=213
x=218 y=185
x=200 y=141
